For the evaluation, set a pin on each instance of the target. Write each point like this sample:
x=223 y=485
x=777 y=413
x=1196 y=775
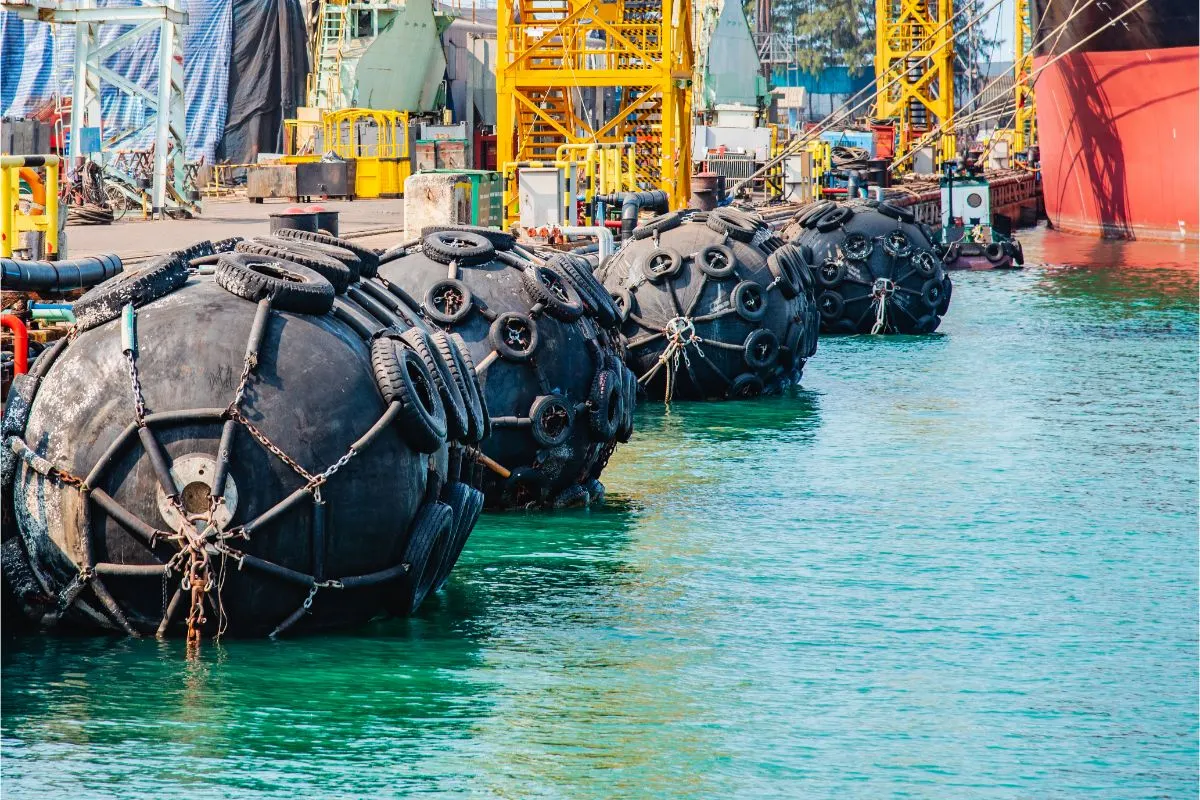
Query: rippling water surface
x=956 y=566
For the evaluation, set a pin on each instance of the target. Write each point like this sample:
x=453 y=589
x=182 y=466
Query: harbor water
x=962 y=565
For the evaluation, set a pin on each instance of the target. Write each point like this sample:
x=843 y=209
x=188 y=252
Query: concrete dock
x=377 y=223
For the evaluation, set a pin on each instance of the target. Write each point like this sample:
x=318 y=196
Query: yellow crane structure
x=914 y=68
x=580 y=72
x=1025 y=117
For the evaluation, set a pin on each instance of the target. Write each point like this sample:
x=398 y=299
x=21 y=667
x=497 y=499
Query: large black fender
x=537 y=328
x=709 y=300
x=877 y=270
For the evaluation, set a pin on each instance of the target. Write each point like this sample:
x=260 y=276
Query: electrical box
x=541 y=195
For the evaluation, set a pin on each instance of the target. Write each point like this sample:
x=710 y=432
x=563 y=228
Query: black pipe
x=59 y=276
x=633 y=202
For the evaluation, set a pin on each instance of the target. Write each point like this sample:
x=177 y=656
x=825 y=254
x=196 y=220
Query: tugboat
x=969 y=238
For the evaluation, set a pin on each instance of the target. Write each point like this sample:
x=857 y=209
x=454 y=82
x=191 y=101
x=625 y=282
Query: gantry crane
x=1025 y=117
x=581 y=72
x=914 y=69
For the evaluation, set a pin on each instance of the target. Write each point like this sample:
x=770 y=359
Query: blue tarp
x=28 y=77
x=833 y=80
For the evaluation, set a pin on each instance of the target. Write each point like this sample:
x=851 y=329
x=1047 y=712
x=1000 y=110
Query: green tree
x=828 y=33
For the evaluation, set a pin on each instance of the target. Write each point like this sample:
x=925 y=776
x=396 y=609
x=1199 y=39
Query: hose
x=633 y=202
x=20 y=342
x=58 y=276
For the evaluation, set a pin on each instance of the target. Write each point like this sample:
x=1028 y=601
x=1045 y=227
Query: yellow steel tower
x=593 y=71
x=1025 y=119
x=914 y=67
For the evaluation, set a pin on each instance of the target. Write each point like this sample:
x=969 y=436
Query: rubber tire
x=756 y=339
x=429 y=305
x=475 y=248
x=831 y=305
x=465 y=352
x=227 y=245
x=589 y=289
x=744 y=387
x=704 y=260
x=623 y=301
x=674 y=263
x=738 y=299
x=629 y=399
x=994 y=252
x=827 y=280
x=502 y=241
x=782 y=265
x=501 y=345
x=903 y=250
x=947 y=290
x=925 y=263
x=851 y=243
x=1018 y=253
x=333 y=270
x=953 y=251
x=660 y=224
x=422 y=427
x=305 y=248
x=303 y=291
x=466 y=502
x=834 y=218
x=603 y=420
x=543 y=405
x=896 y=212
x=140 y=286
x=428 y=541
x=368 y=260
x=726 y=225
x=463 y=372
x=458 y=425
x=808 y=217
x=931 y=293
x=534 y=278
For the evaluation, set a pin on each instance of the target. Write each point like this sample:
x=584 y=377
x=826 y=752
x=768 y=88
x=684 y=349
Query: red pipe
x=20 y=342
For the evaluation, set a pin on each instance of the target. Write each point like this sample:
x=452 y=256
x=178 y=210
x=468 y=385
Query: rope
x=880 y=293
x=680 y=333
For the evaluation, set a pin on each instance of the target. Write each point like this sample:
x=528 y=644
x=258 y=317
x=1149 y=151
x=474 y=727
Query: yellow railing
x=12 y=222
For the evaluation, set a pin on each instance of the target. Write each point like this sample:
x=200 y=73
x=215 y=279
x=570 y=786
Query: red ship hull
x=1119 y=142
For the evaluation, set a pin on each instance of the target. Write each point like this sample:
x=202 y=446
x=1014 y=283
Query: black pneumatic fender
x=705 y=285
x=325 y=482
x=867 y=254
x=537 y=328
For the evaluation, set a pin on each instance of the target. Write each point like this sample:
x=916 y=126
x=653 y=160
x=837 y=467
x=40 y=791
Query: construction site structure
x=1025 y=116
x=914 y=71
x=171 y=183
x=377 y=54
x=581 y=72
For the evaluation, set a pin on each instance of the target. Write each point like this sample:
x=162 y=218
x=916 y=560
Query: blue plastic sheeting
x=28 y=52
x=832 y=80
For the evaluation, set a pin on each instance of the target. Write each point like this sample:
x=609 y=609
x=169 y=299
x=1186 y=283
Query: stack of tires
x=260 y=449
x=541 y=332
x=713 y=305
x=877 y=269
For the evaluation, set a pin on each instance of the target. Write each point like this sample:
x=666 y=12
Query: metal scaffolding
x=169 y=176
x=914 y=58
x=1025 y=119
x=581 y=72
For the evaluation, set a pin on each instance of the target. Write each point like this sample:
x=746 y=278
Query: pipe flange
x=193 y=475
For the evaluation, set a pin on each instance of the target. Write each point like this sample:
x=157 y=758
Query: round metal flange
x=193 y=475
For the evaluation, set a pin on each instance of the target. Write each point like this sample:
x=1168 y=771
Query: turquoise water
x=952 y=567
